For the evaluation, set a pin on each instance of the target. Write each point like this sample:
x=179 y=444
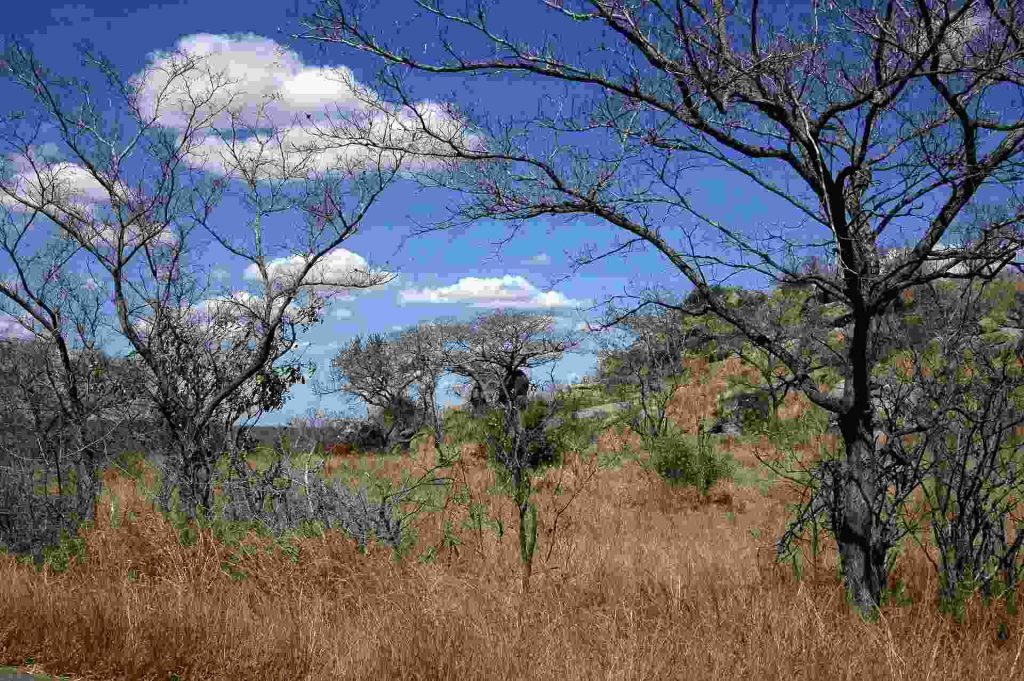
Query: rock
x=889 y=400
x=726 y=427
x=1005 y=338
x=601 y=410
x=739 y=408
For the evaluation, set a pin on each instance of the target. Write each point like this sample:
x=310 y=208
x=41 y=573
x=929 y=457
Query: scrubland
x=635 y=580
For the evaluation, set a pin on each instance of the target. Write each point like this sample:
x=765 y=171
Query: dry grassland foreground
x=638 y=581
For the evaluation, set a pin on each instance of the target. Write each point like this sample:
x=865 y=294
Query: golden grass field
x=640 y=581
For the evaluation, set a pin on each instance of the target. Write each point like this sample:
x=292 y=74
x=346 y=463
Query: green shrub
x=544 y=448
x=130 y=464
x=785 y=434
x=462 y=427
x=688 y=461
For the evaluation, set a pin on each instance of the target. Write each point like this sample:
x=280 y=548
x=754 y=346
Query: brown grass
x=640 y=581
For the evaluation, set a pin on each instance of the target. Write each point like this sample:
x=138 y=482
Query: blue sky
x=441 y=275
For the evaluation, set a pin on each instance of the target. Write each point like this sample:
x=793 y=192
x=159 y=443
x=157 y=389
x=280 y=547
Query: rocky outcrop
x=597 y=412
x=1006 y=338
x=601 y=410
x=740 y=408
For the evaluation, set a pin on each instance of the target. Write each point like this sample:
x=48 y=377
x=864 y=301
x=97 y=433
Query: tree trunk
x=862 y=546
x=196 y=490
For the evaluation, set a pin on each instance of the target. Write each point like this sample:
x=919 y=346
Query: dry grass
x=640 y=581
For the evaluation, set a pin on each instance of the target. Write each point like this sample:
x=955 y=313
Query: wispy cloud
x=539 y=259
x=510 y=291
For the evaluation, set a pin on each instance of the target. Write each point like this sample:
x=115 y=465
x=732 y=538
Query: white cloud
x=68 y=189
x=244 y=75
x=510 y=291
x=226 y=318
x=240 y=304
x=109 y=234
x=43 y=183
x=342 y=313
x=338 y=267
x=539 y=259
x=317 y=113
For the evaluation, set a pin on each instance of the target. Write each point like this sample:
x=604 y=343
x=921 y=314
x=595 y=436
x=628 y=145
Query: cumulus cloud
x=510 y=291
x=42 y=182
x=244 y=77
x=539 y=259
x=295 y=118
x=69 y=190
x=233 y=314
x=338 y=268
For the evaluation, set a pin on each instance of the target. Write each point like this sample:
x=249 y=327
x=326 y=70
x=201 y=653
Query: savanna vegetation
x=653 y=554
x=817 y=478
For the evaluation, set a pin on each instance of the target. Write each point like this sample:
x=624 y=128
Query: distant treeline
x=17 y=437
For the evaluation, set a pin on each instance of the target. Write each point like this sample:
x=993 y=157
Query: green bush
x=130 y=463
x=544 y=448
x=785 y=434
x=462 y=427
x=688 y=461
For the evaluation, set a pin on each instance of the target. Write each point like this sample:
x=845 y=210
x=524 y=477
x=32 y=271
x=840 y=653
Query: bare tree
x=47 y=431
x=135 y=189
x=375 y=371
x=958 y=427
x=652 y=360
x=866 y=126
x=426 y=346
x=61 y=396
x=495 y=349
x=396 y=375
